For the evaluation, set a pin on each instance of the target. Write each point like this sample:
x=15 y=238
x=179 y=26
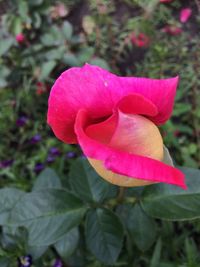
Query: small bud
x=20 y=38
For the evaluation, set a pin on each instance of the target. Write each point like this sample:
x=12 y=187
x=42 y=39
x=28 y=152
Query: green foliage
x=104 y=235
x=156 y=254
x=67 y=211
x=67 y=244
x=55 y=211
x=53 y=216
x=47 y=179
x=85 y=182
x=8 y=199
x=172 y=203
x=141 y=228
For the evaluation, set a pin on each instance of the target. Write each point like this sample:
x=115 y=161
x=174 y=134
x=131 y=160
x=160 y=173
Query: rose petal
x=131 y=104
x=89 y=87
x=160 y=92
x=137 y=104
x=136 y=134
x=98 y=91
x=124 y=163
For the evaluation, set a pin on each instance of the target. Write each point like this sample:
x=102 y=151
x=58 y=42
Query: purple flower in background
x=21 y=121
x=58 y=263
x=54 y=151
x=35 y=139
x=25 y=261
x=6 y=163
x=50 y=159
x=71 y=155
x=38 y=167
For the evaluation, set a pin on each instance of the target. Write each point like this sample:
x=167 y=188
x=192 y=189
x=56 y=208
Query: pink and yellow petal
x=117 y=166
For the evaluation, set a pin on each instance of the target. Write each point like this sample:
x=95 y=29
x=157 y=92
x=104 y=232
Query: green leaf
x=86 y=183
x=23 y=9
x=67 y=245
x=173 y=203
x=37 y=20
x=100 y=62
x=70 y=60
x=85 y=54
x=47 y=179
x=78 y=259
x=104 y=235
x=48 y=215
x=35 y=2
x=55 y=53
x=5 y=45
x=155 y=260
x=36 y=252
x=17 y=25
x=67 y=30
x=48 y=39
x=192 y=252
x=141 y=227
x=47 y=68
x=4 y=71
x=4 y=262
x=9 y=238
x=8 y=199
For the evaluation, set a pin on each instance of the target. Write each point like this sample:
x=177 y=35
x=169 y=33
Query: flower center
x=138 y=135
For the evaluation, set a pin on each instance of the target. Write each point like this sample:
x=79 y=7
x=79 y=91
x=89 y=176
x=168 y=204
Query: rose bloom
x=140 y=40
x=114 y=120
x=185 y=14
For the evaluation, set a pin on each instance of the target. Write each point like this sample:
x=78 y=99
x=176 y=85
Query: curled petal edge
x=123 y=163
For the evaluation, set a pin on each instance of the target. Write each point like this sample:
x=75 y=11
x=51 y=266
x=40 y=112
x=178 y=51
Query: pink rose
x=114 y=120
x=20 y=38
x=140 y=40
x=185 y=14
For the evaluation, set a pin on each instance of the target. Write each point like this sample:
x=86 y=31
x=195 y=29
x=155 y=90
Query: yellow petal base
x=144 y=139
x=114 y=178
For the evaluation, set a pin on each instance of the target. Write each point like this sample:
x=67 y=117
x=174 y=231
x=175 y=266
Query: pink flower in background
x=20 y=38
x=165 y=1
x=172 y=30
x=185 y=14
x=114 y=119
x=41 y=88
x=140 y=40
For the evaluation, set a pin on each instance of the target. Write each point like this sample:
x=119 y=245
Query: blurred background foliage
x=41 y=38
